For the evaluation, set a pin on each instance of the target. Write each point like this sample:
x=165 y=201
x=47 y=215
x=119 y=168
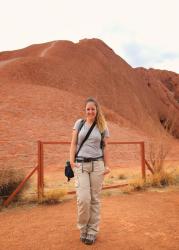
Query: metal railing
x=40 y=168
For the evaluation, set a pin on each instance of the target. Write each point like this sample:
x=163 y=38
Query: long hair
x=100 y=119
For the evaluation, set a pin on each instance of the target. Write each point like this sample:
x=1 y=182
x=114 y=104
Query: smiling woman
x=91 y=111
x=89 y=162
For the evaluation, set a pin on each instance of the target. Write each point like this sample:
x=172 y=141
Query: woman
x=90 y=166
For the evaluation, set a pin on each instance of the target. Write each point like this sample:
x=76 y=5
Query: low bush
x=9 y=180
x=161 y=179
x=158 y=180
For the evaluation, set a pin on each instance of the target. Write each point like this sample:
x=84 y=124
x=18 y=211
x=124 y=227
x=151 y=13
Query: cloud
x=167 y=64
x=142 y=32
x=138 y=55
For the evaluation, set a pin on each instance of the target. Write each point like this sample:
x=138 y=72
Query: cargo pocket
x=77 y=183
x=78 y=170
x=99 y=167
x=77 y=173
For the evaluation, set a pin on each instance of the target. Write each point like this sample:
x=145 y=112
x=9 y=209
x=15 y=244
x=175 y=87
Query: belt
x=89 y=159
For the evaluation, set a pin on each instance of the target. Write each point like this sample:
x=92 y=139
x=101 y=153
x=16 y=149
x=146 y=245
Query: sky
x=144 y=33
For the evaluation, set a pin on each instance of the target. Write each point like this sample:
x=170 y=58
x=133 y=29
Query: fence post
x=40 y=183
x=42 y=168
x=142 y=147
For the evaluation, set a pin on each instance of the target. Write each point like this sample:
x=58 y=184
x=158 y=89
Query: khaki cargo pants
x=88 y=182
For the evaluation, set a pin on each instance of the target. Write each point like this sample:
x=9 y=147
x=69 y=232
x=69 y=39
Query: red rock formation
x=43 y=88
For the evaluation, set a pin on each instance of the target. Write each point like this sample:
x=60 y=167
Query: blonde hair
x=100 y=119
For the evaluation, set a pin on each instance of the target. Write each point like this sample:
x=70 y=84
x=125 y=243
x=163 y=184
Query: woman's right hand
x=75 y=165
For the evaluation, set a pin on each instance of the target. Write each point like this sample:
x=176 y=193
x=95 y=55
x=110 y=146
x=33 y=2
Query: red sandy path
x=129 y=222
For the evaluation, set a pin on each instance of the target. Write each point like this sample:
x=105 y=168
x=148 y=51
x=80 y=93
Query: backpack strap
x=82 y=122
x=102 y=140
x=86 y=137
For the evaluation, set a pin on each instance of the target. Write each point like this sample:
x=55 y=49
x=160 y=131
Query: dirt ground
x=137 y=221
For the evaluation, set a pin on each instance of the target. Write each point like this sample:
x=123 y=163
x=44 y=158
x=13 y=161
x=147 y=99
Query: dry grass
x=158 y=180
x=137 y=185
x=161 y=179
x=10 y=178
x=56 y=190
x=53 y=196
x=121 y=176
x=106 y=193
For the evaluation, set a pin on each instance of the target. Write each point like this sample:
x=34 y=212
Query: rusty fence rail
x=40 y=168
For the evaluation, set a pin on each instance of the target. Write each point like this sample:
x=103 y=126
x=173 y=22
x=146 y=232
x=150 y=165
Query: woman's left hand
x=107 y=171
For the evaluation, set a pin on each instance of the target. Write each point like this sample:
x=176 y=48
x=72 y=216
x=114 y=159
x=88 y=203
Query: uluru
x=44 y=86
